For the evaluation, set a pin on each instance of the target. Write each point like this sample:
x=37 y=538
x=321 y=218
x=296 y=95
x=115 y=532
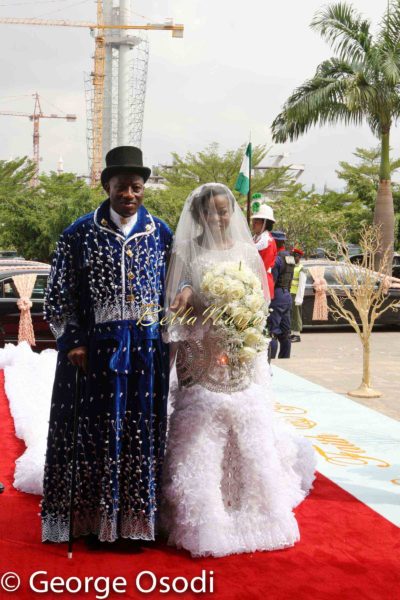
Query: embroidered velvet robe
x=100 y=287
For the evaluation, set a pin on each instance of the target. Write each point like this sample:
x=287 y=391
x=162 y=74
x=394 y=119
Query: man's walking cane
x=74 y=456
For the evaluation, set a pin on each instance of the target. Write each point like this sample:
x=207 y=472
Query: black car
x=357 y=258
x=9 y=311
x=8 y=254
x=390 y=317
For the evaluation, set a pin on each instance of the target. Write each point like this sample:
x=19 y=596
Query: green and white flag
x=242 y=184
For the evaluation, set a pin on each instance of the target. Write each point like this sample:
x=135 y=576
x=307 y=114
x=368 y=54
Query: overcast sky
x=236 y=65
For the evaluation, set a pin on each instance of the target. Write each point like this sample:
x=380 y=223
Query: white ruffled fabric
x=29 y=380
x=233 y=473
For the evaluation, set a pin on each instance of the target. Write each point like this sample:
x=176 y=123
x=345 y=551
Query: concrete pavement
x=333 y=359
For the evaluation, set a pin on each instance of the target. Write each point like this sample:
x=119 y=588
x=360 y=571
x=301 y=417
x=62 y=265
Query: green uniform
x=296 y=320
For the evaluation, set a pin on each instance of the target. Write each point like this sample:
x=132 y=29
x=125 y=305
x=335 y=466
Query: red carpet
x=346 y=552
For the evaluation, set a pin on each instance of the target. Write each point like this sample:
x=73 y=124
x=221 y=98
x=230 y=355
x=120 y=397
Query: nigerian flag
x=242 y=184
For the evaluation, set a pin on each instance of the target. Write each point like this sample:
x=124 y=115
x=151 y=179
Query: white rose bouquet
x=235 y=295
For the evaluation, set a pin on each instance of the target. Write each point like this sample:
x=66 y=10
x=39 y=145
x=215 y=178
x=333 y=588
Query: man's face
x=297 y=258
x=258 y=225
x=126 y=193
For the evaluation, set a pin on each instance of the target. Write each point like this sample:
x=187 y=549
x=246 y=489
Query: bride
x=232 y=474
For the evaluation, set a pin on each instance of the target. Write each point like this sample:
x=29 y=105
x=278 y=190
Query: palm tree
x=361 y=83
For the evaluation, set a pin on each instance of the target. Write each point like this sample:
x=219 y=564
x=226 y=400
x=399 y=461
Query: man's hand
x=183 y=300
x=78 y=357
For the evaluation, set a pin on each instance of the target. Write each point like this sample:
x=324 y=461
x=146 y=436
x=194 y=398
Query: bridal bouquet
x=236 y=302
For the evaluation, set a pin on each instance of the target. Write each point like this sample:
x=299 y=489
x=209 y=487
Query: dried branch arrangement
x=361 y=295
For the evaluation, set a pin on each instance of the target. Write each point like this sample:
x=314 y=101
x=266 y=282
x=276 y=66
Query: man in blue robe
x=109 y=266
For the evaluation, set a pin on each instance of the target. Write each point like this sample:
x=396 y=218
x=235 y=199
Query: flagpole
x=249 y=192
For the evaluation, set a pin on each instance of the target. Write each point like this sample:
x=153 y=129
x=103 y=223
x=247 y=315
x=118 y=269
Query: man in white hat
x=263 y=223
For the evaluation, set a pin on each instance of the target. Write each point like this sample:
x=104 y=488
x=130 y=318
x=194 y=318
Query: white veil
x=212 y=229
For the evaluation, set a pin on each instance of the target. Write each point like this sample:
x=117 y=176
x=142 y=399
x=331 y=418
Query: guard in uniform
x=262 y=222
x=279 y=325
x=297 y=290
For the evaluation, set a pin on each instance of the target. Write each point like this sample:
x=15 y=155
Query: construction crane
x=35 y=117
x=99 y=28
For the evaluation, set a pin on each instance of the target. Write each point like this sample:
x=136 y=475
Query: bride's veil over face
x=212 y=225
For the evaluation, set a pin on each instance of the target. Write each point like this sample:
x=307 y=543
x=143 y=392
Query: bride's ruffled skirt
x=232 y=473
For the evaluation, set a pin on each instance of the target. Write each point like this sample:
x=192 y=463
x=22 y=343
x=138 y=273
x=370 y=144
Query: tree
x=360 y=83
x=299 y=215
x=362 y=181
x=362 y=178
x=66 y=197
x=210 y=165
x=15 y=177
x=165 y=204
x=348 y=209
x=362 y=292
x=15 y=191
x=33 y=218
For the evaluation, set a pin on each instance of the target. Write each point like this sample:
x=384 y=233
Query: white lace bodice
x=206 y=354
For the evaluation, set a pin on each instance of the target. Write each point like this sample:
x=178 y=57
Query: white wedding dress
x=232 y=473
x=29 y=378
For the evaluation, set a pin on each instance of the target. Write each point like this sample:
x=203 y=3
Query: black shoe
x=128 y=546
x=295 y=338
x=93 y=543
x=2 y=488
x=120 y=545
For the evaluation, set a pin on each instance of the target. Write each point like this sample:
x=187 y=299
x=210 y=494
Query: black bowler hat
x=124 y=159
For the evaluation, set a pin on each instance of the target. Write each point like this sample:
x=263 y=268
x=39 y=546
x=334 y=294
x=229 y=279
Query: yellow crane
x=35 y=117
x=99 y=63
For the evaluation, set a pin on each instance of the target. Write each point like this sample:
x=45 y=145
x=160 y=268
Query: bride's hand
x=183 y=300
